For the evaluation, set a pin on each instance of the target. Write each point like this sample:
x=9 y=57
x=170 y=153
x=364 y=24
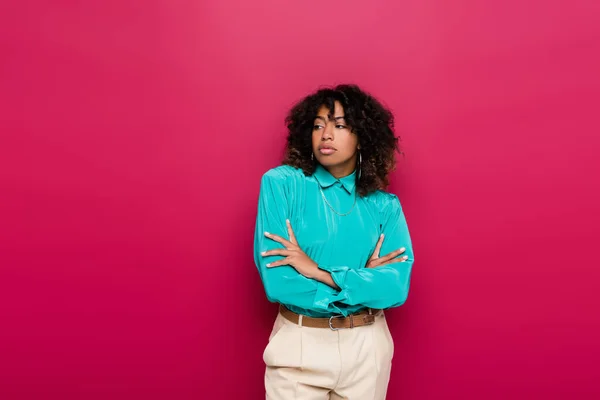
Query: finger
x=395 y=260
x=380 y=263
x=291 y=232
x=393 y=254
x=377 y=247
x=275 y=252
x=278 y=239
x=282 y=262
x=375 y=263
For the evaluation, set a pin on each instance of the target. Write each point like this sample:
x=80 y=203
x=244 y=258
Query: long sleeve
x=381 y=287
x=284 y=284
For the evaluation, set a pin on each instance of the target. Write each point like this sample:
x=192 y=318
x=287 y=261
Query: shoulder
x=386 y=202
x=282 y=175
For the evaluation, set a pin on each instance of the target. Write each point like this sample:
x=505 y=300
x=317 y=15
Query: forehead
x=325 y=112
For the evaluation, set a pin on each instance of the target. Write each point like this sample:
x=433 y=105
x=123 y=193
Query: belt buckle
x=338 y=316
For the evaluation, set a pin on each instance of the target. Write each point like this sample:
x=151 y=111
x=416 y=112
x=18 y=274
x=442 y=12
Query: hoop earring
x=359 y=165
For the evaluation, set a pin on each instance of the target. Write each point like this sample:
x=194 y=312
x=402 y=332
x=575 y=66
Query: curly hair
x=366 y=117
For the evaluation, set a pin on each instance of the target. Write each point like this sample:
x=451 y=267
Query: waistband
x=335 y=322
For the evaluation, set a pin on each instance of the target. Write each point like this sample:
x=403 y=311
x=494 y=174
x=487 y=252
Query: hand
x=294 y=256
x=390 y=258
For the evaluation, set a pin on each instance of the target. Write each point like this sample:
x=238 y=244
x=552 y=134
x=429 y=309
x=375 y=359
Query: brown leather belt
x=336 y=322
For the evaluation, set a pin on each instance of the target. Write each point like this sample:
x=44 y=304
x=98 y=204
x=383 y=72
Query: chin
x=328 y=161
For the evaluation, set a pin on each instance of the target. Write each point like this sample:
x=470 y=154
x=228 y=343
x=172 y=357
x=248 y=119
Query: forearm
x=325 y=277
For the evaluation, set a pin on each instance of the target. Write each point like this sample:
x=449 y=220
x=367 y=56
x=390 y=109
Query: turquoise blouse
x=341 y=245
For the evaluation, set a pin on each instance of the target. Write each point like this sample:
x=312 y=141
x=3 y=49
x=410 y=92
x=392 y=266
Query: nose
x=327 y=132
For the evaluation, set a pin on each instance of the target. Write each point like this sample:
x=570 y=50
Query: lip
x=327 y=149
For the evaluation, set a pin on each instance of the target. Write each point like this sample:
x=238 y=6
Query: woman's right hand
x=376 y=261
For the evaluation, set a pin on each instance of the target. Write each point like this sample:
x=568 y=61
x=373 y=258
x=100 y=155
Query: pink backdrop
x=133 y=137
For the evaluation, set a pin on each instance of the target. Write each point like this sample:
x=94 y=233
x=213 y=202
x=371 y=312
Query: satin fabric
x=341 y=245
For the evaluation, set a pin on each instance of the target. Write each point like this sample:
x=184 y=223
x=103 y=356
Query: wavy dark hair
x=367 y=118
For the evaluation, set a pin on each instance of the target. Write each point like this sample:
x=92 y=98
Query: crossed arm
x=296 y=258
x=295 y=279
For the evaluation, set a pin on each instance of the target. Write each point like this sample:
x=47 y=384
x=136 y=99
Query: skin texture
x=334 y=144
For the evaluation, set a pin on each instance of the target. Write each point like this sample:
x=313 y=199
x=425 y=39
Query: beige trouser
x=318 y=363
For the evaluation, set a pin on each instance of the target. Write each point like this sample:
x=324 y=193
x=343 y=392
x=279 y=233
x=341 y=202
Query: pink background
x=133 y=137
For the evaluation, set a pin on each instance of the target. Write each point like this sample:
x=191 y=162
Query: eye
x=317 y=127
x=340 y=126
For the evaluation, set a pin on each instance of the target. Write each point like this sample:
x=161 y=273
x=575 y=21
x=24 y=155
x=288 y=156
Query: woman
x=323 y=221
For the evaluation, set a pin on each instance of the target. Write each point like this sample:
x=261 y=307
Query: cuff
x=325 y=299
x=338 y=274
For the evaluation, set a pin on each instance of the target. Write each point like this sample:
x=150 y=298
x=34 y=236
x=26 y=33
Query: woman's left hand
x=294 y=256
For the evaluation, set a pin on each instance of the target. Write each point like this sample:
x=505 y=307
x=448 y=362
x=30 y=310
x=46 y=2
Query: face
x=334 y=145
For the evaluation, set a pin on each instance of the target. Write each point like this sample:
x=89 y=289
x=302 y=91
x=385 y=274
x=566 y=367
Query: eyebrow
x=324 y=120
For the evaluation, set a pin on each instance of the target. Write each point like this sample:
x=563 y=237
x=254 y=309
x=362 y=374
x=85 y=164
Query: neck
x=342 y=170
